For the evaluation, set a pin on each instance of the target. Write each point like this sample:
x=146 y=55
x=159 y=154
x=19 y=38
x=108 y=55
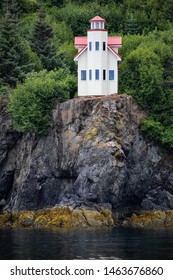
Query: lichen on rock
x=150 y=219
x=26 y=218
x=94 y=156
x=58 y=217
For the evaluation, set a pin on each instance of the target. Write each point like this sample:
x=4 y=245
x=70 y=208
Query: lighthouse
x=97 y=59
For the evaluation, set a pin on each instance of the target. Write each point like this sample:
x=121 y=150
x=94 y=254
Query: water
x=118 y=243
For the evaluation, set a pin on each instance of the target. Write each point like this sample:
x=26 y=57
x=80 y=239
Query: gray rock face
x=93 y=156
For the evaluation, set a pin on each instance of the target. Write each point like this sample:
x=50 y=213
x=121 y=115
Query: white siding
x=97 y=59
x=82 y=65
x=112 y=65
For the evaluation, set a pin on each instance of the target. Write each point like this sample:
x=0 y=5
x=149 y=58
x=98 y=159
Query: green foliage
x=128 y=16
x=18 y=8
x=71 y=84
x=143 y=76
x=13 y=57
x=14 y=7
x=4 y=90
x=58 y=3
x=25 y=25
x=65 y=56
x=149 y=14
x=167 y=137
x=62 y=32
x=156 y=131
x=130 y=43
x=153 y=129
x=76 y=16
x=34 y=62
x=131 y=26
x=31 y=103
x=32 y=42
x=42 y=42
x=147 y=74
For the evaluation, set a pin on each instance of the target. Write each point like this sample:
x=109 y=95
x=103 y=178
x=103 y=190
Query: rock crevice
x=94 y=156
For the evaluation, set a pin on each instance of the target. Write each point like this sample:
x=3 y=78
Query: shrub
x=153 y=129
x=31 y=103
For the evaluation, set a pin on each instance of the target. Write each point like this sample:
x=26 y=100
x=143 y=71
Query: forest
x=36 y=58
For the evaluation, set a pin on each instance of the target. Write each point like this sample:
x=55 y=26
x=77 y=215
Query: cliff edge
x=94 y=156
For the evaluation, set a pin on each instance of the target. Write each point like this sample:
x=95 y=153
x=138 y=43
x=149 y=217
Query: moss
x=26 y=218
x=169 y=219
x=15 y=218
x=5 y=220
x=119 y=154
x=97 y=219
x=59 y=217
x=90 y=134
x=108 y=215
x=41 y=221
x=93 y=218
x=150 y=219
x=65 y=217
x=119 y=126
x=78 y=219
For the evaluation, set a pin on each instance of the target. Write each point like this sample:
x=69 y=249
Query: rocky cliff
x=94 y=156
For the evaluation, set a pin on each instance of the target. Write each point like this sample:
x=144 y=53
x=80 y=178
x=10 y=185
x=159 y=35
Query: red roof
x=97 y=18
x=80 y=41
x=112 y=41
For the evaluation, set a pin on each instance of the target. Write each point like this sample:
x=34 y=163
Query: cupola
x=97 y=23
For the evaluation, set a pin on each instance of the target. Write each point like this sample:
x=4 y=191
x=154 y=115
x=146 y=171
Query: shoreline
x=68 y=218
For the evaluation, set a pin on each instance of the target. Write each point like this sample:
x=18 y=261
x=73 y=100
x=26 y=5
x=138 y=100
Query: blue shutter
x=83 y=75
x=97 y=74
x=90 y=75
x=97 y=46
x=111 y=74
x=90 y=46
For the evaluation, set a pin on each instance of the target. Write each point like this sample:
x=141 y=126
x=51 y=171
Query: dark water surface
x=118 y=243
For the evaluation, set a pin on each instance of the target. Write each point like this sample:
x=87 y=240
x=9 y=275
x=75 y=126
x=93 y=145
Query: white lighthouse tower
x=97 y=60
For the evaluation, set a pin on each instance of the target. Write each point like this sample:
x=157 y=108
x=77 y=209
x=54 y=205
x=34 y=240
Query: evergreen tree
x=13 y=58
x=58 y=3
x=42 y=42
x=14 y=7
x=131 y=26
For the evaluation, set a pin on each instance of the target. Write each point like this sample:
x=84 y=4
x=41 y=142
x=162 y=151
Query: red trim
x=109 y=45
x=114 y=46
x=98 y=30
x=114 y=52
x=97 y=18
x=112 y=40
x=80 y=45
x=79 y=52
